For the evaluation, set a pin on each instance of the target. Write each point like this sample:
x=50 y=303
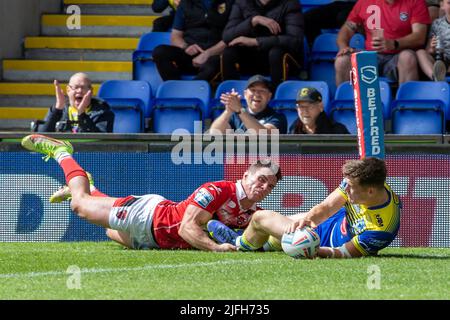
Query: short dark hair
x=267 y=164
x=369 y=171
x=257 y=78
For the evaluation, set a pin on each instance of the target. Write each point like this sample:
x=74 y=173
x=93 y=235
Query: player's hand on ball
x=303 y=243
x=299 y=224
x=292 y=227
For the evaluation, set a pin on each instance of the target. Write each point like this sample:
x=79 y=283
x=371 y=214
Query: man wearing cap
x=311 y=117
x=257 y=116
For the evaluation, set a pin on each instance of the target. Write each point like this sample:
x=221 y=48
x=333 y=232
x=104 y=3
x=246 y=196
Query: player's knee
x=261 y=215
x=109 y=234
x=77 y=207
x=74 y=205
x=257 y=215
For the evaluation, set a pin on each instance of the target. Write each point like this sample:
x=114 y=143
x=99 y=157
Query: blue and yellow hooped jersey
x=372 y=228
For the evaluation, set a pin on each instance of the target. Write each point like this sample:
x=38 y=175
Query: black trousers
x=277 y=62
x=330 y=16
x=172 y=62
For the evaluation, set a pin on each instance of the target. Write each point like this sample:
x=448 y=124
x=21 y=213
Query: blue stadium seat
x=178 y=103
x=386 y=98
x=216 y=107
x=285 y=97
x=343 y=108
x=130 y=100
x=324 y=47
x=144 y=67
x=358 y=41
x=323 y=54
x=310 y=4
x=420 y=107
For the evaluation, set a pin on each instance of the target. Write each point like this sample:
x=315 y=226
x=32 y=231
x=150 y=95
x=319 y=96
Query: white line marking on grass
x=144 y=268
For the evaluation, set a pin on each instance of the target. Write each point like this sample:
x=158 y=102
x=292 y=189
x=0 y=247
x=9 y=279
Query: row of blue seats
x=319 y=60
x=311 y=4
x=419 y=107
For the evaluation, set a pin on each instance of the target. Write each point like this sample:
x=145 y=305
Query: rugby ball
x=303 y=243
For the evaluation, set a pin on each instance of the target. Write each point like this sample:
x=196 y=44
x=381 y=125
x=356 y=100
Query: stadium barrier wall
x=139 y=164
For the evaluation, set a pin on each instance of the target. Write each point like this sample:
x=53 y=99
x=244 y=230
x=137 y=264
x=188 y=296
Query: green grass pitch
x=43 y=271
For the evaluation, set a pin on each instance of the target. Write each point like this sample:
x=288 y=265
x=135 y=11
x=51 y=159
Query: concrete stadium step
x=95 y=25
x=48 y=70
x=23 y=113
x=19 y=118
x=20 y=103
x=80 y=48
x=101 y=7
x=53 y=56
x=71 y=54
x=30 y=94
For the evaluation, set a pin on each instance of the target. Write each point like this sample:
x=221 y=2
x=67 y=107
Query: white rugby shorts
x=134 y=215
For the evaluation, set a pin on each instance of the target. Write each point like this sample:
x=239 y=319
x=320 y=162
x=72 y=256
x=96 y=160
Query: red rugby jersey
x=220 y=198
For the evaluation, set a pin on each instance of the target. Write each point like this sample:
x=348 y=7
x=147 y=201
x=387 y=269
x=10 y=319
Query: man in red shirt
x=151 y=221
x=393 y=28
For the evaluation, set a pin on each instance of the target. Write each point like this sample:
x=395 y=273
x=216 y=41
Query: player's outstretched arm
x=318 y=213
x=191 y=230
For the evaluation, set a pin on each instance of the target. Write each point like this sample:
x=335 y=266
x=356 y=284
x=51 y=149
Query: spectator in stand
x=258 y=116
x=434 y=9
x=393 y=28
x=435 y=59
x=329 y=16
x=196 y=41
x=83 y=113
x=311 y=117
x=263 y=36
x=164 y=23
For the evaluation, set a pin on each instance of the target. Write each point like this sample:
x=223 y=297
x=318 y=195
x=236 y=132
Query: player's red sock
x=97 y=193
x=71 y=169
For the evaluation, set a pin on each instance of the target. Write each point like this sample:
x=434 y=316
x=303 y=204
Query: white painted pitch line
x=144 y=268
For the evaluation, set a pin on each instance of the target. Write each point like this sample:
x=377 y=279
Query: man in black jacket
x=263 y=36
x=83 y=114
x=196 y=41
x=164 y=22
x=311 y=117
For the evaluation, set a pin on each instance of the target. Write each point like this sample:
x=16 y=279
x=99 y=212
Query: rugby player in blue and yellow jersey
x=359 y=218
